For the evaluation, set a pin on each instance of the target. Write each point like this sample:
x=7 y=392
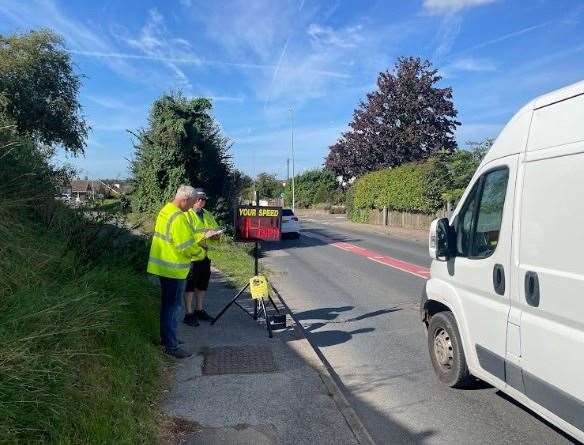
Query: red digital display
x=258 y=223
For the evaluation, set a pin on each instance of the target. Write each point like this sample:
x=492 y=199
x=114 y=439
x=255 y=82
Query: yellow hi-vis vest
x=199 y=226
x=173 y=244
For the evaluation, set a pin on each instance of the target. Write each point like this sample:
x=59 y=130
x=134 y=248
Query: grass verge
x=79 y=324
x=235 y=260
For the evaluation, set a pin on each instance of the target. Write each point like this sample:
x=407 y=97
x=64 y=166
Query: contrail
x=276 y=71
x=198 y=62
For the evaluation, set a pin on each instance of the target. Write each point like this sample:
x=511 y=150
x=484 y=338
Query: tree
x=268 y=186
x=408 y=118
x=182 y=144
x=461 y=166
x=312 y=187
x=242 y=185
x=39 y=89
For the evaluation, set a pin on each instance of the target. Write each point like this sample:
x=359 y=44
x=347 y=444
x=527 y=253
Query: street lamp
x=292 y=146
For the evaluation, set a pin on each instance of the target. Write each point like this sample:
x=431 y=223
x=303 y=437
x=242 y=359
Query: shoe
x=191 y=320
x=178 y=353
x=203 y=316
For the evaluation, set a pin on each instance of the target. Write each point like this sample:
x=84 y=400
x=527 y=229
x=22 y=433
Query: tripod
x=259 y=307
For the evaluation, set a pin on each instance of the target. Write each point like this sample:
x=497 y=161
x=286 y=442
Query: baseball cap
x=200 y=194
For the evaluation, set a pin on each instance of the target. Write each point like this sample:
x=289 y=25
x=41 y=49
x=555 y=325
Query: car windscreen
x=287 y=212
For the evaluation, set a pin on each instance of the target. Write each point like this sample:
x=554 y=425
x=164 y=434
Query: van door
x=551 y=262
x=481 y=269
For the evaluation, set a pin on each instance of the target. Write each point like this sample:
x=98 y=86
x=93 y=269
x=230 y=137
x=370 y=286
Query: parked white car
x=290 y=224
x=505 y=301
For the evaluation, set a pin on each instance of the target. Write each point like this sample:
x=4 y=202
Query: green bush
x=349 y=201
x=414 y=188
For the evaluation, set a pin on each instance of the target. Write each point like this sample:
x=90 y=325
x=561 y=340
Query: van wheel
x=446 y=350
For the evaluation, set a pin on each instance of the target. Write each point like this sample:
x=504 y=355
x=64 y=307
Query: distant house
x=82 y=190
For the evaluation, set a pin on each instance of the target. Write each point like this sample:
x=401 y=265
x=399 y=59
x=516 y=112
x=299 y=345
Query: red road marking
x=377 y=257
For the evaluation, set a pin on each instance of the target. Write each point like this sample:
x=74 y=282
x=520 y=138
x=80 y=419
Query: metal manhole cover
x=250 y=359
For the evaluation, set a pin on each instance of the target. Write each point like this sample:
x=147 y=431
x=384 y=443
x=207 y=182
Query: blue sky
x=257 y=59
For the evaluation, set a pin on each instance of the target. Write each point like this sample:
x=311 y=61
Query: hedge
x=414 y=188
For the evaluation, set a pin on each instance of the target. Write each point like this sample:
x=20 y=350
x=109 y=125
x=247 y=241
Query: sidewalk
x=241 y=387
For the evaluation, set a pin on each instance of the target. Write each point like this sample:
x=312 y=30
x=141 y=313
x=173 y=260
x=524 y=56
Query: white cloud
x=308 y=57
x=469 y=64
x=111 y=103
x=240 y=98
x=449 y=6
x=273 y=147
x=305 y=137
x=248 y=29
x=155 y=42
x=78 y=37
x=326 y=36
x=508 y=36
x=446 y=35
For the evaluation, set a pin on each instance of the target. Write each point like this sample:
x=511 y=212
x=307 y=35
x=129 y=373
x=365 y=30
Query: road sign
x=253 y=223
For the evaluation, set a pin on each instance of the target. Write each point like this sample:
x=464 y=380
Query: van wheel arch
x=431 y=308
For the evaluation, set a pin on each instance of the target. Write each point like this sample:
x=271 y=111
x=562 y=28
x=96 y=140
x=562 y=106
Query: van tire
x=446 y=351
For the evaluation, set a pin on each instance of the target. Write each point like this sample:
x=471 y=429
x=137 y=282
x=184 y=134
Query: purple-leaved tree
x=407 y=118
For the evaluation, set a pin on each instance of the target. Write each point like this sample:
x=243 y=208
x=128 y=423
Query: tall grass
x=78 y=319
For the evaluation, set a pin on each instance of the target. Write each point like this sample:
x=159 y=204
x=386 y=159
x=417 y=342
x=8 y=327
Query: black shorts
x=199 y=275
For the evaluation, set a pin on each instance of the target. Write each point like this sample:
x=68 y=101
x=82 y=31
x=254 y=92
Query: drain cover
x=250 y=359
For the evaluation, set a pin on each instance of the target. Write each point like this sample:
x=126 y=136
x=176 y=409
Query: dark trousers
x=172 y=290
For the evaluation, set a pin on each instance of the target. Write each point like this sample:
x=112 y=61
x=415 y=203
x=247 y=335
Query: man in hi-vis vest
x=173 y=246
x=202 y=223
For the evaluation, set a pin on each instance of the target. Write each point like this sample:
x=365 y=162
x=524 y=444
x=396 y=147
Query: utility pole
x=292 y=145
x=287 y=170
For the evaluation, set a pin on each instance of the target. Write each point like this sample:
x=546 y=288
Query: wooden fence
x=401 y=219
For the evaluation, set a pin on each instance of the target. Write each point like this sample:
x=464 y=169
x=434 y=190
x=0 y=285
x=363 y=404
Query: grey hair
x=185 y=191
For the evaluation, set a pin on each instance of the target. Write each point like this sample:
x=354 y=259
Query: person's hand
x=212 y=234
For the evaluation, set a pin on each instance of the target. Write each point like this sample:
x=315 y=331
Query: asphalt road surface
x=357 y=296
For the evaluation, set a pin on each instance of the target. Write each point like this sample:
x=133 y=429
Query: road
x=359 y=305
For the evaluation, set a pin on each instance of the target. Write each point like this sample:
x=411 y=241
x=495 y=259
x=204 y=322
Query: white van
x=505 y=301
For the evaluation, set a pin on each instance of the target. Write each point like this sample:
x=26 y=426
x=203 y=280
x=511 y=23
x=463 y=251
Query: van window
x=479 y=223
x=465 y=222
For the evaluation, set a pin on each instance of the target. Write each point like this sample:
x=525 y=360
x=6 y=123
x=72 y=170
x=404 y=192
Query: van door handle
x=532 y=289
x=499 y=279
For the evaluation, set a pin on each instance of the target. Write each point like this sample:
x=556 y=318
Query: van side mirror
x=441 y=241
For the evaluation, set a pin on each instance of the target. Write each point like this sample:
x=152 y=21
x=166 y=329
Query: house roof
x=80 y=185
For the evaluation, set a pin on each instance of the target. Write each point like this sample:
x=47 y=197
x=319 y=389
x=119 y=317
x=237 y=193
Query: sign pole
x=255 y=257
